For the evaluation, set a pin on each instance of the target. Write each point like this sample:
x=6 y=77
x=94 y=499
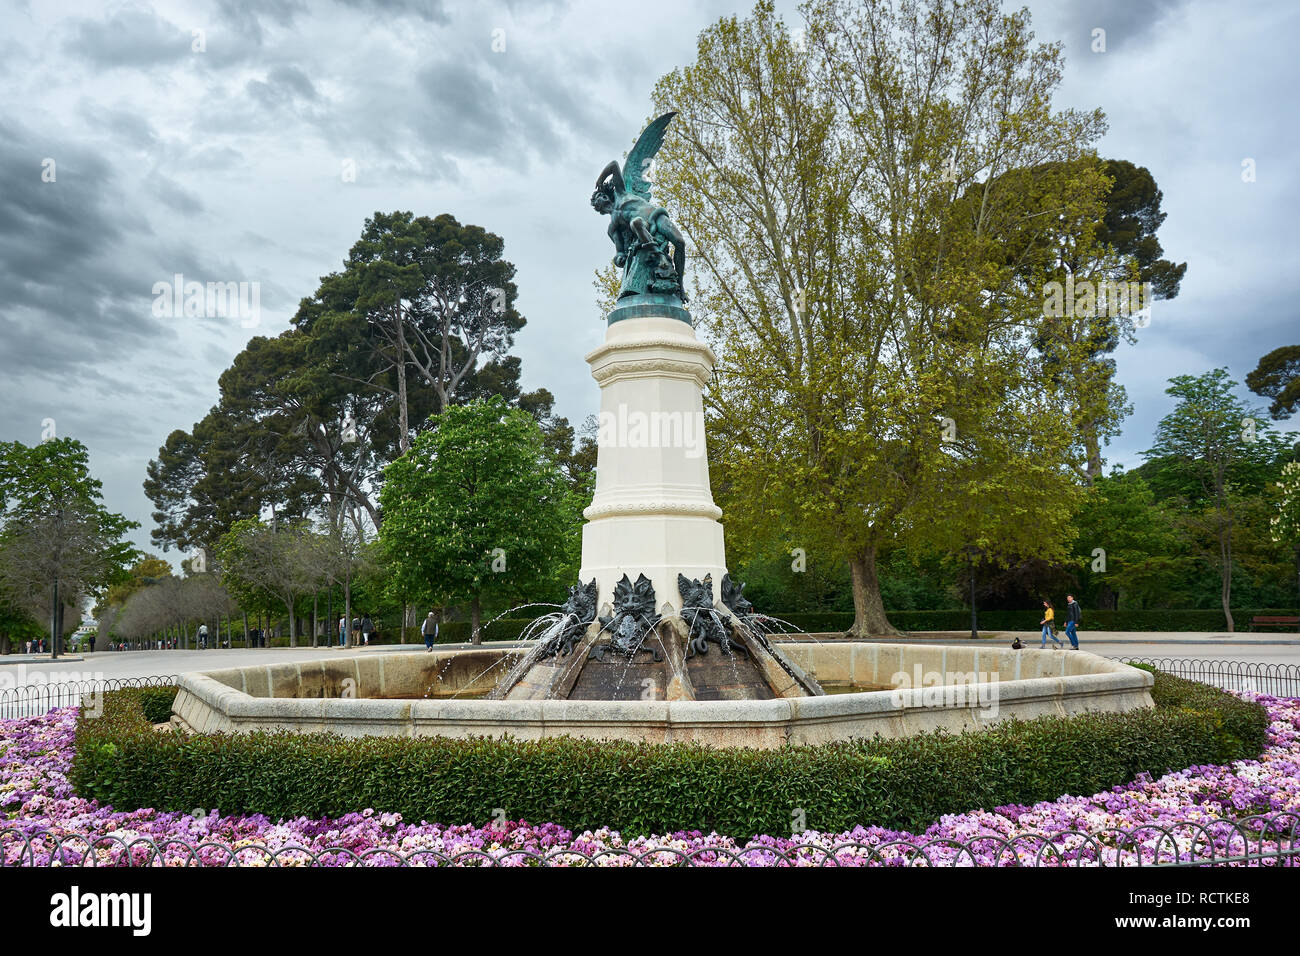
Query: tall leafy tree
x=1215 y=453
x=58 y=543
x=1277 y=376
x=275 y=561
x=431 y=299
x=477 y=509
x=1127 y=249
x=1131 y=546
x=880 y=383
x=150 y=569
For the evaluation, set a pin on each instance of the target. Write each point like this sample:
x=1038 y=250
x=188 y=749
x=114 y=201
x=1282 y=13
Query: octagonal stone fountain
x=894 y=690
x=666 y=657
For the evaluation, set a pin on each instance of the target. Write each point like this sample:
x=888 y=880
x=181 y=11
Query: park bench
x=1274 y=621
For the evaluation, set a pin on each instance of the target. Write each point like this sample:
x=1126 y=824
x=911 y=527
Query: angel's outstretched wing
x=638 y=161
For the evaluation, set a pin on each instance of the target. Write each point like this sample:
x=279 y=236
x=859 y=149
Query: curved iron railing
x=33 y=700
x=1266 y=840
x=1278 y=680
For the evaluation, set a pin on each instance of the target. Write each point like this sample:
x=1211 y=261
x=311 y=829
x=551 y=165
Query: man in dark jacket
x=1072 y=617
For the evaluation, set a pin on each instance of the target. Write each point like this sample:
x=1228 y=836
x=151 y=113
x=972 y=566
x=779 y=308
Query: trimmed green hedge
x=156 y=703
x=644 y=788
x=959 y=620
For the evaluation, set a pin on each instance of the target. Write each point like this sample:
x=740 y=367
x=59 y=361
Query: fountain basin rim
x=209 y=702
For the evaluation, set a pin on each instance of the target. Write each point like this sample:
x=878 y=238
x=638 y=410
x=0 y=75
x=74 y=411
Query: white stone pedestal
x=653 y=511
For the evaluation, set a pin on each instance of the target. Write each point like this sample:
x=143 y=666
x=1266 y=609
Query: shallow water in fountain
x=472 y=694
x=854 y=688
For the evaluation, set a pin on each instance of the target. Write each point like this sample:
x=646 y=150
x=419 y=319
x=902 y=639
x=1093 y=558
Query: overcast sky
x=222 y=155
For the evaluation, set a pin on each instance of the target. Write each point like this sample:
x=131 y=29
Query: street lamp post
x=971 y=551
x=54 y=621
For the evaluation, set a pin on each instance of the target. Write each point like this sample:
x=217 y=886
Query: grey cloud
x=433 y=12
x=208 y=158
x=175 y=196
x=130 y=129
x=67 y=297
x=1127 y=25
x=244 y=17
x=130 y=37
x=282 y=88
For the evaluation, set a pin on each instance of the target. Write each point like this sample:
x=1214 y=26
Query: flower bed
x=1190 y=814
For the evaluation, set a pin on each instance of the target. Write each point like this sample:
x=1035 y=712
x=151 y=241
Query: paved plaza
x=1278 y=648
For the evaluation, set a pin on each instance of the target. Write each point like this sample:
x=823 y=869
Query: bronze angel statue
x=648 y=247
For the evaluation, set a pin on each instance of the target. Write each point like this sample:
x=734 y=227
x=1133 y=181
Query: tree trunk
x=315 y=609
x=1093 y=449
x=869 y=617
x=475 y=612
x=293 y=629
x=246 y=642
x=54 y=616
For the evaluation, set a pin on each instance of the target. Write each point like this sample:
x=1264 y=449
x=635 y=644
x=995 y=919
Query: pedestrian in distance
x=343 y=630
x=91 y=642
x=1073 y=615
x=1049 y=627
x=430 y=631
x=367 y=626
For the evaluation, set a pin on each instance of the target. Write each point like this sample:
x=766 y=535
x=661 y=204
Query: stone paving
x=15 y=669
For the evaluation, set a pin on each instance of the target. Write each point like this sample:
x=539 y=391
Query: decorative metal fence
x=1269 y=840
x=1277 y=680
x=33 y=700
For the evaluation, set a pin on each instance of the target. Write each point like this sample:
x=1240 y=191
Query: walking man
x=1049 y=627
x=430 y=631
x=343 y=631
x=1072 y=618
x=366 y=627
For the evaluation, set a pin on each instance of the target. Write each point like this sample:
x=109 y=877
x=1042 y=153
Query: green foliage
x=1146 y=564
x=871 y=280
x=156 y=703
x=478 y=508
x=639 y=788
x=55 y=528
x=1277 y=376
x=269 y=568
x=1284 y=524
x=1133 y=216
x=1214 y=456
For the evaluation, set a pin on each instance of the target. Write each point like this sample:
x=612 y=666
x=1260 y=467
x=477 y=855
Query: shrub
x=156 y=703
x=641 y=788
